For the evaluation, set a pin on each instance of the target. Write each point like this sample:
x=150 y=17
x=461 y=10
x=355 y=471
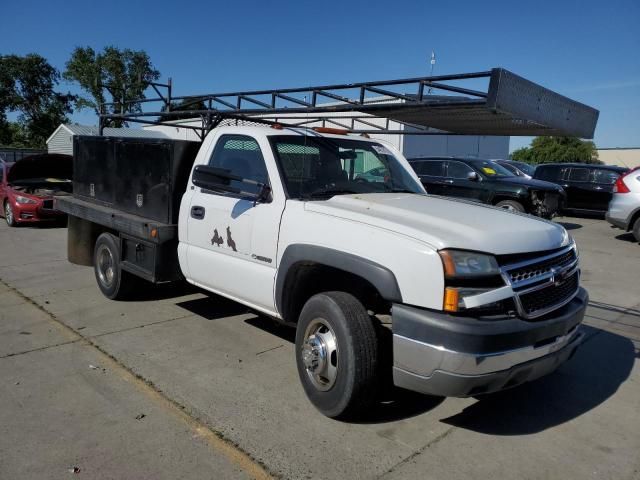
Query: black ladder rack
x=510 y=105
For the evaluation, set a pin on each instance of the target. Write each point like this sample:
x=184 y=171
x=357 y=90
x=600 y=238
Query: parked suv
x=487 y=182
x=624 y=209
x=588 y=187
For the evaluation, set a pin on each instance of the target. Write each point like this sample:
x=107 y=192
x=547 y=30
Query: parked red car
x=27 y=187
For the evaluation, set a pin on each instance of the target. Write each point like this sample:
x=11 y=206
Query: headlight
x=23 y=200
x=460 y=263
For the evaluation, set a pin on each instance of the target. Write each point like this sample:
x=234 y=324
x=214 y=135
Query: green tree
x=194 y=103
x=27 y=88
x=557 y=149
x=123 y=74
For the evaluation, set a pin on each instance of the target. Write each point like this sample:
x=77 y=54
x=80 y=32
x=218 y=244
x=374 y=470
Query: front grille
x=552 y=202
x=48 y=204
x=547 y=297
x=538 y=269
x=543 y=284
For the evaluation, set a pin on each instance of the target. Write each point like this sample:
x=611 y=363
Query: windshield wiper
x=328 y=192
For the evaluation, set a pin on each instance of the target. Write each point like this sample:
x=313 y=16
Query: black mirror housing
x=219 y=180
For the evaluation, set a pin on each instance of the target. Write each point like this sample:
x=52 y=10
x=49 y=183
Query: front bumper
x=439 y=354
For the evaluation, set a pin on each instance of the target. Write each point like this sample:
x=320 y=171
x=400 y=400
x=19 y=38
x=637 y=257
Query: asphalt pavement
x=184 y=384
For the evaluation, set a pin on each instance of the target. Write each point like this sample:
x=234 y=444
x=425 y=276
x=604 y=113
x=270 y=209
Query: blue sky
x=587 y=50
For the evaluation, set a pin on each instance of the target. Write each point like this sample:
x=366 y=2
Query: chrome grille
x=552 y=295
x=541 y=285
x=539 y=268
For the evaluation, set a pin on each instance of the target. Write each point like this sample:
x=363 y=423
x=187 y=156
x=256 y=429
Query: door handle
x=598 y=187
x=448 y=181
x=197 y=212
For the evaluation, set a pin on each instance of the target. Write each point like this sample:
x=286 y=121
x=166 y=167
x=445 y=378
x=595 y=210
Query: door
x=431 y=174
x=602 y=182
x=578 y=187
x=459 y=185
x=232 y=241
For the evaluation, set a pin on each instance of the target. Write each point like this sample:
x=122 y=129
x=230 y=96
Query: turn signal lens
x=451 y=299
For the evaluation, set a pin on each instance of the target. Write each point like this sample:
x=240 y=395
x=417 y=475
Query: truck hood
x=41 y=166
x=446 y=223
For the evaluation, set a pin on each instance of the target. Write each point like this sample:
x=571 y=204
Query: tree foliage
x=123 y=74
x=557 y=150
x=27 y=88
x=194 y=103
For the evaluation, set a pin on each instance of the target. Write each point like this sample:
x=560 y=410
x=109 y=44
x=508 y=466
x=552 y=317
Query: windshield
x=525 y=167
x=491 y=169
x=320 y=167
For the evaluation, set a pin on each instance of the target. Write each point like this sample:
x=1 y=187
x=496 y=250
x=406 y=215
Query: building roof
x=108 y=132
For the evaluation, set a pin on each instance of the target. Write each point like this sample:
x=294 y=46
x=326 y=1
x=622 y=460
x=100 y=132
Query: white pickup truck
x=335 y=235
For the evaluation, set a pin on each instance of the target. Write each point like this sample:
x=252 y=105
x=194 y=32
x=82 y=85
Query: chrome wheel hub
x=320 y=354
x=8 y=213
x=105 y=266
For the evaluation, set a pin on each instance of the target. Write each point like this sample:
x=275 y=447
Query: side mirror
x=473 y=177
x=219 y=180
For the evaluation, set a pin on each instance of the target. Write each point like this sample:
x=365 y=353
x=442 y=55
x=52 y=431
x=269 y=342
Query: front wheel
x=8 y=214
x=636 y=229
x=113 y=282
x=511 y=205
x=337 y=354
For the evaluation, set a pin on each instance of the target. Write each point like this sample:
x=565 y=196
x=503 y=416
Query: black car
x=588 y=187
x=487 y=182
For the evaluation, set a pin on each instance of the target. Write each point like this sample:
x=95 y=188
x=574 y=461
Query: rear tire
x=511 y=205
x=113 y=282
x=337 y=355
x=8 y=214
x=636 y=229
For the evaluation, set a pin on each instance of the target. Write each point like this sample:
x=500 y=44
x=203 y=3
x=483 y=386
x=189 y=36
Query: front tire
x=8 y=214
x=113 y=282
x=511 y=205
x=636 y=229
x=337 y=355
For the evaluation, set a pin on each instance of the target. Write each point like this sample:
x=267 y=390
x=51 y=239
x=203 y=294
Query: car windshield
x=320 y=167
x=491 y=169
x=525 y=167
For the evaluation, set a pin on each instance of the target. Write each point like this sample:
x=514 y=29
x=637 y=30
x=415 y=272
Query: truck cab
x=477 y=299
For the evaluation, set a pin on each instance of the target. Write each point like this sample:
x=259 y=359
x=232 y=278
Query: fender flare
x=379 y=276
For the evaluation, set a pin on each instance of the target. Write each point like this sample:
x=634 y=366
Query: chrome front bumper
x=478 y=357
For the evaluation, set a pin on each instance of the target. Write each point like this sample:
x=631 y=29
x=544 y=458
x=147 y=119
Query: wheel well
x=499 y=198
x=305 y=279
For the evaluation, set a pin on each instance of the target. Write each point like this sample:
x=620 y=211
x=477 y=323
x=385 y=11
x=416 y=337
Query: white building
x=411 y=146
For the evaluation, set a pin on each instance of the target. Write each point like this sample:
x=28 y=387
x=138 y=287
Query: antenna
x=433 y=63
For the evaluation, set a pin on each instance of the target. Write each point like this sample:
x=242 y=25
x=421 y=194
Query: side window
x=1 y=173
x=240 y=155
x=458 y=170
x=604 y=176
x=548 y=173
x=430 y=168
x=578 y=175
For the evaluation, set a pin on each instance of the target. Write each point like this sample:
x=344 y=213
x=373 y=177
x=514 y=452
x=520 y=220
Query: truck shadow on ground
x=595 y=373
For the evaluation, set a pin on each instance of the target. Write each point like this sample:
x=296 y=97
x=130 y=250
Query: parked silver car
x=624 y=208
